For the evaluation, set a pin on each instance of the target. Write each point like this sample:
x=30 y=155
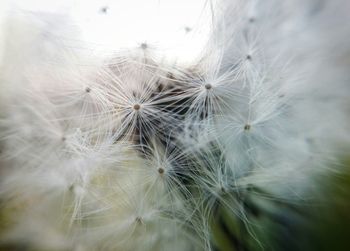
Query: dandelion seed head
x=111 y=143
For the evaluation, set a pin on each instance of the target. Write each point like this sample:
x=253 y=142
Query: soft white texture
x=265 y=86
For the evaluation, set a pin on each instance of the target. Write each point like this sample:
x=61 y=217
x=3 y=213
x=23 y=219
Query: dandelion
x=127 y=146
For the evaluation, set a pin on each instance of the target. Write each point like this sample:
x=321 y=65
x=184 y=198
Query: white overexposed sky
x=177 y=29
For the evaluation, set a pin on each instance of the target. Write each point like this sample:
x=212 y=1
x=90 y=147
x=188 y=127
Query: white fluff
x=112 y=141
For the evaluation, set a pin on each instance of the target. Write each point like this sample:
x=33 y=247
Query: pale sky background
x=178 y=29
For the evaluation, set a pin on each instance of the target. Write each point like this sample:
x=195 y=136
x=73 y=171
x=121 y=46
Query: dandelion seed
x=144 y=46
x=160 y=170
x=136 y=107
x=187 y=29
x=139 y=220
x=223 y=190
x=208 y=86
x=247 y=127
x=251 y=20
x=104 y=9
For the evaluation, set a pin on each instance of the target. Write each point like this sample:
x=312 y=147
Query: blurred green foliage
x=318 y=224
